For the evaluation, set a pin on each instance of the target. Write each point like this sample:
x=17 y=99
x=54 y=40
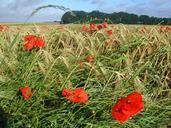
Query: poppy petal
x=134 y=102
x=118 y=111
x=26 y=92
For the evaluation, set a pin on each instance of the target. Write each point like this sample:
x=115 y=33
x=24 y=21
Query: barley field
x=107 y=65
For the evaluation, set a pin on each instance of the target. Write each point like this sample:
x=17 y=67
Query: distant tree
x=120 y=17
x=97 y=14
x=169 y=21
x=78 y=17
x=144 y=19
x=114 y=17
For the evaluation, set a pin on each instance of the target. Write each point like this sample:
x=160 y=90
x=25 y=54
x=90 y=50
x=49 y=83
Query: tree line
x=115 y=17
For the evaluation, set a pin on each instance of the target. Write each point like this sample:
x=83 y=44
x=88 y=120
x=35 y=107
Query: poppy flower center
x=128 y=101
x=78 y=95
x=118 y=110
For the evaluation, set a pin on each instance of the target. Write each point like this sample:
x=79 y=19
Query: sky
x=19 y=10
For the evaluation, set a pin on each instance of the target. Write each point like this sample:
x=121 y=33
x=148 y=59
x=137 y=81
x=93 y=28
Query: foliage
x=120 y=17
x=128 y=61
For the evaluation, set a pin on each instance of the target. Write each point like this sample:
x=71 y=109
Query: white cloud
x=158 y=8
x=97 y=2
x=19 y=10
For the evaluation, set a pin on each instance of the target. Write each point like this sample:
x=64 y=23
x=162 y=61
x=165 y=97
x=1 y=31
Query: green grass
x=133 y=62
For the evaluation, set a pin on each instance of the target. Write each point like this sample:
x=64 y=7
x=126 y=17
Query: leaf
x=14 y=41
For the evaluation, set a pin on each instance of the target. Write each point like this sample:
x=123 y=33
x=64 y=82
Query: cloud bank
x=19 y=10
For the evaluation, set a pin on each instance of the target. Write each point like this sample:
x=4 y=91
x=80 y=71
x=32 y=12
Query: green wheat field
x=127 y=61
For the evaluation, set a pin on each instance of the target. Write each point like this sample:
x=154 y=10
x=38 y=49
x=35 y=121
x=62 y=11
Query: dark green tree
x=120 y=17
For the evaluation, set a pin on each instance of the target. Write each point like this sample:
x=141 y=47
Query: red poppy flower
x=1 y=28
x=105 y=25
x=64 y=92
x=92 y=25
x=90 y=58
x=134 y=103
x=26 y=92
x=28 y=46
x=29 y=42
x=162 y=27
x=142 y=30
x=80 y=64
x=39 y=42
x=84 y=27
x=67 y=92
x=80 y=95
x=77 y=95
x=127 y=107
x=89 y=30
x=4 y=27
x=99 y=26
x=118 y=112
x=168 y=28
x=109 y=32
x=32 y=40
x=29 y=38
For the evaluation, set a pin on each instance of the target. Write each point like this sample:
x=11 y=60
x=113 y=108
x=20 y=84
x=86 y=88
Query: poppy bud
x=109 y=32
x=26 y=92
x=90 y=58
x=99 y=26
x=105 y=25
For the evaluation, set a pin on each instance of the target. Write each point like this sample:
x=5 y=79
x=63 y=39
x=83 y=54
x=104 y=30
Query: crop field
x=73 y=76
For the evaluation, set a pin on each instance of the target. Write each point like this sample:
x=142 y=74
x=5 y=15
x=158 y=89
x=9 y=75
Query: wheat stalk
x=60 y=7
